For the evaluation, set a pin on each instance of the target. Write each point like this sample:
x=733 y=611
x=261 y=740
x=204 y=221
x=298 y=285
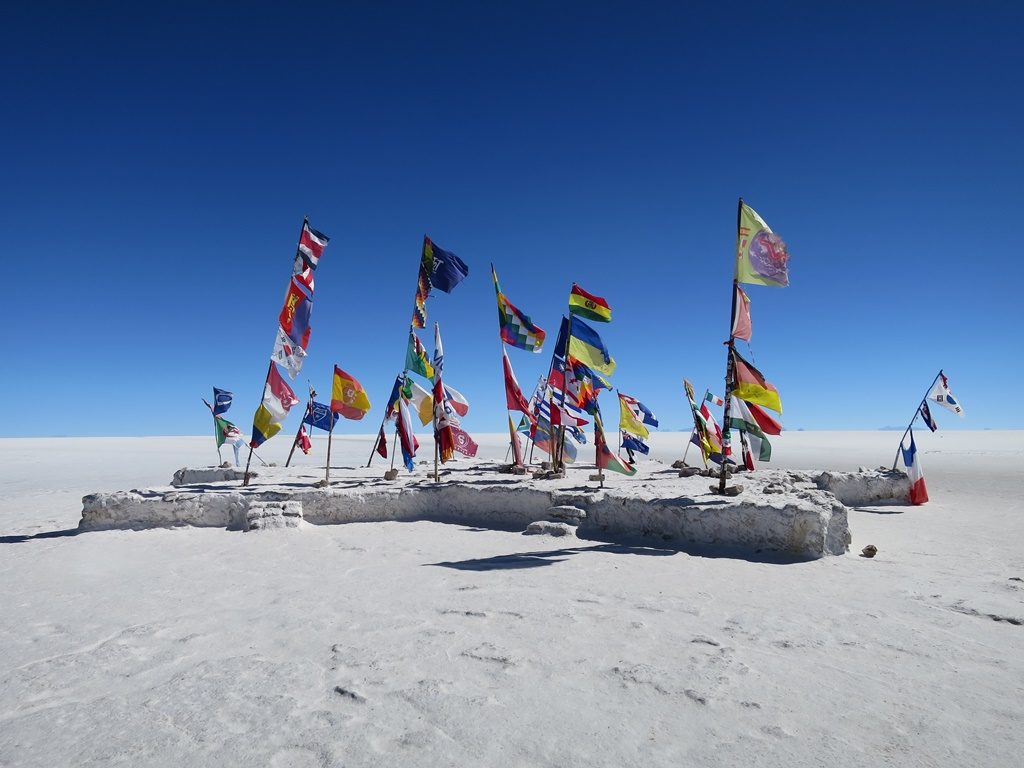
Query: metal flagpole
x=917 y=412
x=330 y=434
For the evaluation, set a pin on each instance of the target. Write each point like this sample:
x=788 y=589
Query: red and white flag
x=741 y=328
x=514 y=399
x=918 y=491
x=303 y=440
x=462 y=442
x=311 y=248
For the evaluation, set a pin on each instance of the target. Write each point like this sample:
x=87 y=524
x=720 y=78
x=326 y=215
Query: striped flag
x=918 y=491
x=311 y=248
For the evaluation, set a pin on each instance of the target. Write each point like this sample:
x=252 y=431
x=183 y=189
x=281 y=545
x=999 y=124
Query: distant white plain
x=422 y=644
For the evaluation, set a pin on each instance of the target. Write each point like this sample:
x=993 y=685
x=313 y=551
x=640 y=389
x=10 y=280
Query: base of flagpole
x=730 y=490
x=391 y=474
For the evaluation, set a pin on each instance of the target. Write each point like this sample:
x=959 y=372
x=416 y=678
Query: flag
x=382 y=444
x=926 y=415
x=288 y=354
x=303 y=441
x=224 y=430
x=767 y=424
x=749 y=384
x=298 y=305
x=311 y=248
x=278 y=399
x=761 y=256
x=221 y=401
x=631 y=443
x=396 y=392
x=605 y=458
x=715 y=400
x=348 y=396
x=741 y=328
x=918 y=491
x=416 y=357
x=585 y=373
x=320 y=416
x=701 y=431
x=514 y=399
x=940 y=394
x=444 y=414
x=563 y=416
x=439 y=269
x=742 y=419
x=585 y=345
x=588 y=305
x=457 y=400
x=748 y=456
x=447 y=269
x=628 y=422
x=406 y=436
x=517 y=329
x=463 y=443
x=420 y=400
x=517 y=449
x=544 y=440
x=642 y=413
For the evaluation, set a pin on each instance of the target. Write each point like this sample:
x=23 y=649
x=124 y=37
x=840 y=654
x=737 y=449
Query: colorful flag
x=416 y=357
x=463 y=443
x=517 y=329
x=742 y=419
x=543 y=439
x=221 y=401
x=406 y=437
x=749 y=384
x=748 y=456
x=940 y=394
x=311 y=248
x=585 y=345
x=303 y=441
x=701 y=431
x=298 y=305
x=741 y=328
x=224 y=430
x=631 y=443
x=439 y=269
x=564 y=416
x=605 y=458
x=642 y=413
x=761 y=256
x=348 y=396
x=447 y=269
x=926 y=415
x=918 y=491
x=278 y=399
x=628 y=421
x=320 y=416
x=768 y=425
x=588 y=305
x=288 y=354
x=715 y=400
x=396 y=392
x=444 y=414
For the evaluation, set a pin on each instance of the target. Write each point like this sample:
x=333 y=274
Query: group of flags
x=223 y=430
x=939 y=394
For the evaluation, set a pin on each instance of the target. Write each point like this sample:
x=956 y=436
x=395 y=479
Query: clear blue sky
x=158 y=161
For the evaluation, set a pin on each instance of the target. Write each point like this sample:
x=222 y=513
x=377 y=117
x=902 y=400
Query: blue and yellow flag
x=585 y=345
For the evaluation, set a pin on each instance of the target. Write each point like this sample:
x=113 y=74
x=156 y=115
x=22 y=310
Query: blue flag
x=449 y=270
x=320 y=417
x=632 y=443
x=221 y=401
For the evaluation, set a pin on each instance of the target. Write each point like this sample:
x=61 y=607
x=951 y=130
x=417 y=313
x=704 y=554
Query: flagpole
x=330 y=434
x=501 y=343
x=394 y=443
x=917 y=412
x=245 y=480
x=309 y=411
x=559 y=464
x=216 y=434
x=726 y=436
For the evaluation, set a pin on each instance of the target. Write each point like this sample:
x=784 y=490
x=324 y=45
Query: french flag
x=918 y=491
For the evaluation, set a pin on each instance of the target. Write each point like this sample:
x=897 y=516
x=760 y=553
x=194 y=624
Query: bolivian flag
x=750 y=384
x=588 y=305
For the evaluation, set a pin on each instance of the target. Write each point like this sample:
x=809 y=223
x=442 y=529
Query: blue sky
x=159 y=161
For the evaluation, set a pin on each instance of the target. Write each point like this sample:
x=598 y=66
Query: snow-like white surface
x=415 y=644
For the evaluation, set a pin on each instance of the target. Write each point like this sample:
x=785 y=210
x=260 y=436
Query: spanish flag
x=588 y=305
x=348 y=396
x=750 y=384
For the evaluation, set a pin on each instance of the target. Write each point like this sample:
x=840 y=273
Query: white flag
x=940 y=394
x=288 y=354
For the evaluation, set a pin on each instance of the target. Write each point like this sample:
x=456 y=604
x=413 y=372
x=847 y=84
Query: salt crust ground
x=778 y=510
x=412 y=644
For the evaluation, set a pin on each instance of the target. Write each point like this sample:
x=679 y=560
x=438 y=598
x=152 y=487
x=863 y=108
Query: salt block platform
x=799 y=513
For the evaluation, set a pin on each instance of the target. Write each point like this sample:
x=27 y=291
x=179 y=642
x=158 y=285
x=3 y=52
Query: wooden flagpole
x=917 y=412
x=729 y=373
x=560 y=463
